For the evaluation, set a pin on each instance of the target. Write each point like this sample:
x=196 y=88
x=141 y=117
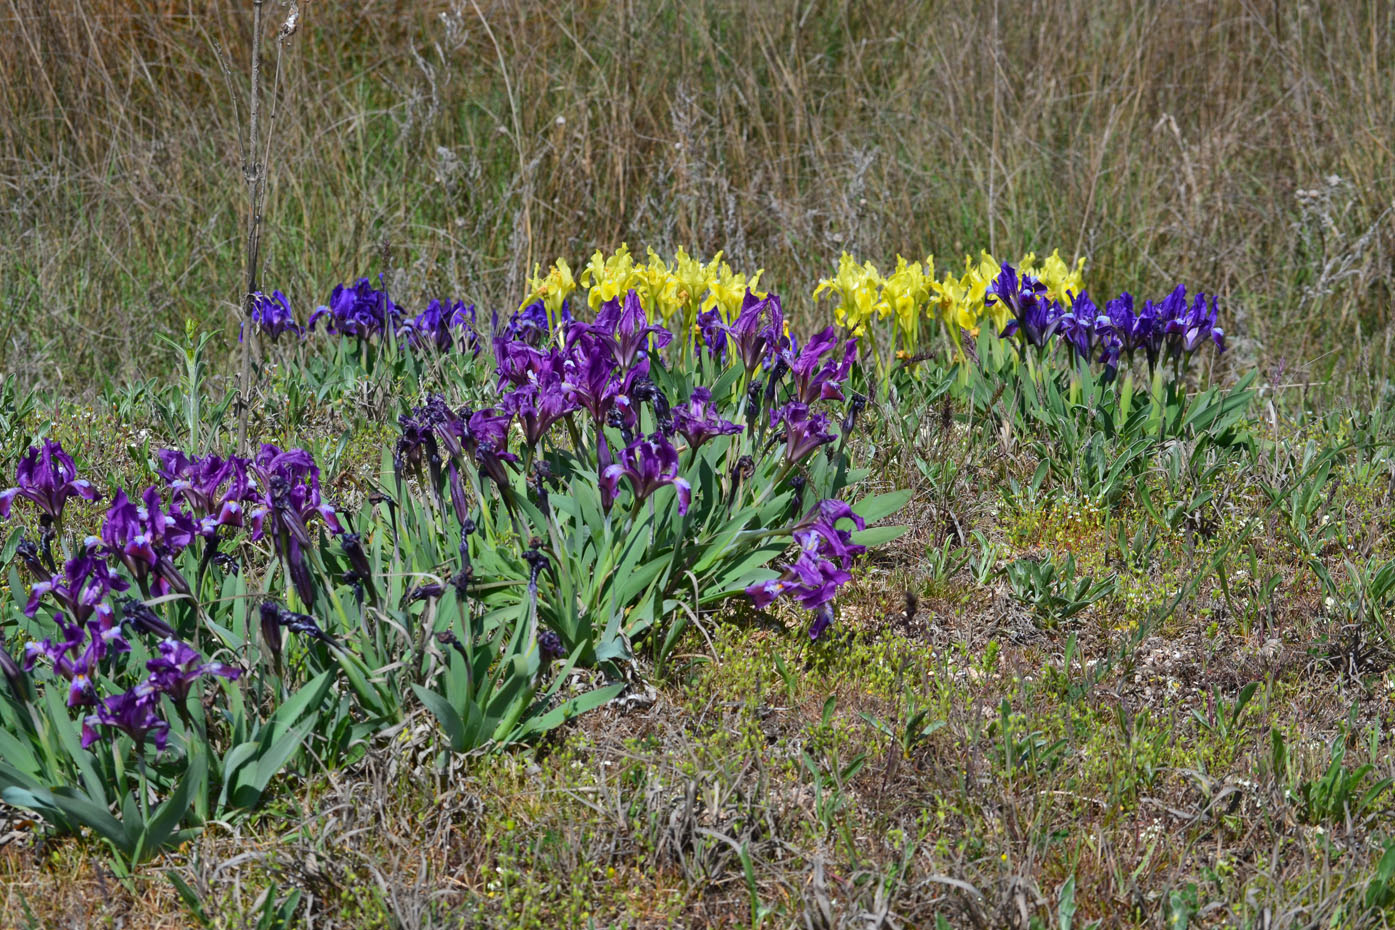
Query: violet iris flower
x=273 y=316
x=212 y=488
x=133 y=713
x=436 y=326
x=529 y=325
x=1187 y=329
x=47 y=477
x=1034 y=316
x=81 y=590
x=698 y=421
x=626 y=328
x=712 y=334
x=1076 y=326
x=817 y=377
x=823 y=566
x=649 y=464
x=359 y=310
x=287 y=488
x=178 y=666
x=804 y=432
x=146 y=539
x=758 y=331
x=74 y=657
x=538 y=405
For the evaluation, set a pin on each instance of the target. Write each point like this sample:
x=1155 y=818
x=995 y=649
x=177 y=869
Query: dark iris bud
x=776 y=374
x=797 y=482
x=744 y=468
x=270 y=615
x=28 y=553
x=467 y=526
x=13 y=675
x=139 y=615
x=448 y=638
x=643 y=389
x=352 y=544
x=537 y=563
x=854 y=408
x=424 y=591
x=46 y=543
x=461 y=581
x=550 y=646
x=303 y=624
x=541 y=473
x=753 y=400
x=663 y=413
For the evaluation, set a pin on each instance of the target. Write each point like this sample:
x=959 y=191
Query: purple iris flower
x=74 y=658
x=1076 y=326
x=591 y=378
x=484 y=437
x=287 y=489
x=823 y=566
x=81 y=590
x=519 y=363
x=822 y=521
x=538 y=405
x=529 y=325
x=1187 y=329
x=698 y=421
x=146 y=539
x=804 y=432
x=178 y=666
x=359 y=310
x=1131 y=331
x=211 y=488
x=47 y=477
x=712 y=334
x=817 y=377
x=1034 y=316
x=626 y=328
x=811 y=579
x=438 y=324
x=758 y=331
x=133 y=713
x=273 y=316
x=649 y=464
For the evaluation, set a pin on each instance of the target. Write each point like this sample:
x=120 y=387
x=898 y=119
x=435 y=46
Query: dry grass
x=1240 y=146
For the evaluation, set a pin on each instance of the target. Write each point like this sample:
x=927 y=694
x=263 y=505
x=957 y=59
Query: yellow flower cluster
x=675 y=292
x=912 y=297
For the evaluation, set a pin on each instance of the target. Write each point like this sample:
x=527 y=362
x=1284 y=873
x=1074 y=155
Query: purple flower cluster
x=648 y=464
x=135 y=711
x=48 y=478
x=610 y=369
x=360 y=310
x=442 y=326
x=822 y=567
x=273 y=316
x=1170 y=329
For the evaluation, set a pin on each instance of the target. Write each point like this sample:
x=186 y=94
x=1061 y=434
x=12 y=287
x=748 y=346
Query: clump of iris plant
x=272 y=316
x=442 y=326
x=47 y=477
x=360 y=310
x=1172 y=329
